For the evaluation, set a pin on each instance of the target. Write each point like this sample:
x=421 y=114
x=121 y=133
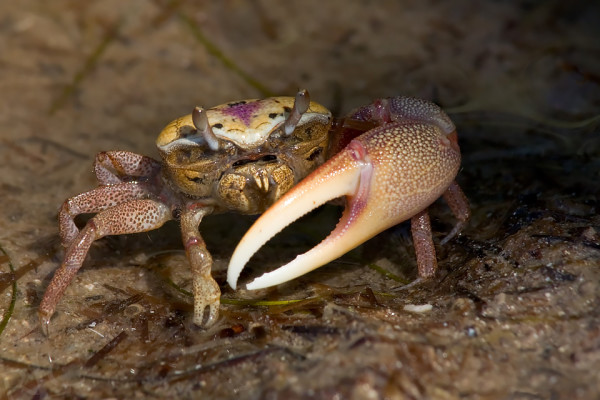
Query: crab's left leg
x=389 y=174
x=207 y=293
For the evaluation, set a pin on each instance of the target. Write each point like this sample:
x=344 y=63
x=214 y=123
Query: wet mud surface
x=514 y=310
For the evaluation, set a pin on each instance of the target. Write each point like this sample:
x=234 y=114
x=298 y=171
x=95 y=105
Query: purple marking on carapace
x=243 y=111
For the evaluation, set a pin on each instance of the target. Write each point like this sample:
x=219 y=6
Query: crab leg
x=114 y=171
x=96 y=200
x=207 y=293
x=113 y=167
x=130 y=217
x=388 y=174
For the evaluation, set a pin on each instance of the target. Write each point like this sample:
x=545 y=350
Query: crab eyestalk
x=301 y=103
x=201 y=124
x=388 y=175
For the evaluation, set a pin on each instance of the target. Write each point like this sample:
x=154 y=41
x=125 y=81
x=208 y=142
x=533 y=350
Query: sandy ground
x=513 y=312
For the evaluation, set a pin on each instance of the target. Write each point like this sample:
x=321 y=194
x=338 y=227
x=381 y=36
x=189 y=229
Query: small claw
x=387 y=174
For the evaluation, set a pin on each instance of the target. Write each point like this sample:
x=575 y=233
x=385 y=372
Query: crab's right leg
x=122 y=176
x=207 y=293
x=113 y=167
x=130 y=217
x=94 y=201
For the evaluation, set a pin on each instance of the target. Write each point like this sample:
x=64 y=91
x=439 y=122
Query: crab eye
x=301 y=103
x=203 y=127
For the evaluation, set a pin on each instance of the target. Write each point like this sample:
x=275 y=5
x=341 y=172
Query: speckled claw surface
x=388 y=174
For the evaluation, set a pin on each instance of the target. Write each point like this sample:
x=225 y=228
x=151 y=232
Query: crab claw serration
x=388 y=175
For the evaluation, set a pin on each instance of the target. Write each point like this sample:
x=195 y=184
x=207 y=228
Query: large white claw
x=388 y=175
x=314 y=191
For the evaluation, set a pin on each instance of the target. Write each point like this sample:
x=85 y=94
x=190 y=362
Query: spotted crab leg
x=112 y=167
x=389 y=174
x=129 y=217
x=93 y=201
x=123 y=176
x=207 y=293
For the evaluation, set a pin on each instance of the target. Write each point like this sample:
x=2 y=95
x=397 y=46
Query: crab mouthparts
x=347 y=174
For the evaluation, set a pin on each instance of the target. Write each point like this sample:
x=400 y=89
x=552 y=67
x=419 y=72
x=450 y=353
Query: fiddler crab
x=283 y=156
